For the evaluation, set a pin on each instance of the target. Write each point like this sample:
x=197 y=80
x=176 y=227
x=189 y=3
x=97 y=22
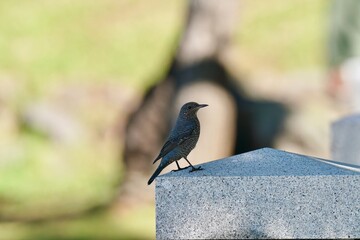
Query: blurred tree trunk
x=196 y=74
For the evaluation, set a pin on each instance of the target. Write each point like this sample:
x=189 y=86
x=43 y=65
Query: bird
x=181 y=140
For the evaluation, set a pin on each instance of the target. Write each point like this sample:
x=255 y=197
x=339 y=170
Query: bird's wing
x=174 y=142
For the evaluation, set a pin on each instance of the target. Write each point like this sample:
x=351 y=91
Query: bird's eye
x=189 y=107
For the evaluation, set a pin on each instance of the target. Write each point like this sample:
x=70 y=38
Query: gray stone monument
x=345 y=141
x=265 y=193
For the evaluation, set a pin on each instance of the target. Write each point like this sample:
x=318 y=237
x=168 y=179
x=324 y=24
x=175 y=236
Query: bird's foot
x=196 y=169
x=180 y=169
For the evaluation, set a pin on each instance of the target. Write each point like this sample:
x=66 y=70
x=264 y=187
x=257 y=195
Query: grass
x=45 y=180
x=87 y=41
x=46 y=44
x=137 y=224
x=282 y=35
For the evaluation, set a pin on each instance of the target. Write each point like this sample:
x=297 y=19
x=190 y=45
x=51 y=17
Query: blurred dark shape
x=232 y=123
x=344 y=53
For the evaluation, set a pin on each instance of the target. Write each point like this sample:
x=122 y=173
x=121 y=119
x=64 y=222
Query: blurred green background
x=84 y=65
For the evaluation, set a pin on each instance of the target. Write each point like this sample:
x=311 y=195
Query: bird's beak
x=202 y=105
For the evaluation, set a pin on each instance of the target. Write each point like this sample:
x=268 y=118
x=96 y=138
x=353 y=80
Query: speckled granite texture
x=345 y=140
x=265 y=193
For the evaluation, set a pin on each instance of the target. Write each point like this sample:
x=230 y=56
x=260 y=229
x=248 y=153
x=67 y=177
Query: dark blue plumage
x=182 y=139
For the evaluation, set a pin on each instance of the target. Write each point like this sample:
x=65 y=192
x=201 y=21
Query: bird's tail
x=156 y=173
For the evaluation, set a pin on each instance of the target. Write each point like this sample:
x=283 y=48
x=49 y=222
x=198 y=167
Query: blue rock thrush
x=182 y=139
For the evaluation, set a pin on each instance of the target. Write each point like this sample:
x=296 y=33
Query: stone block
x=345 y=140
x=265 y=193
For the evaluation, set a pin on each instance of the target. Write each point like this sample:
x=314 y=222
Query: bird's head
x=190 y=109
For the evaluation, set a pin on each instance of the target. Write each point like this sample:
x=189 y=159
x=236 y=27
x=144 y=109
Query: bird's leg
x=179 y=168
x=193 y=168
